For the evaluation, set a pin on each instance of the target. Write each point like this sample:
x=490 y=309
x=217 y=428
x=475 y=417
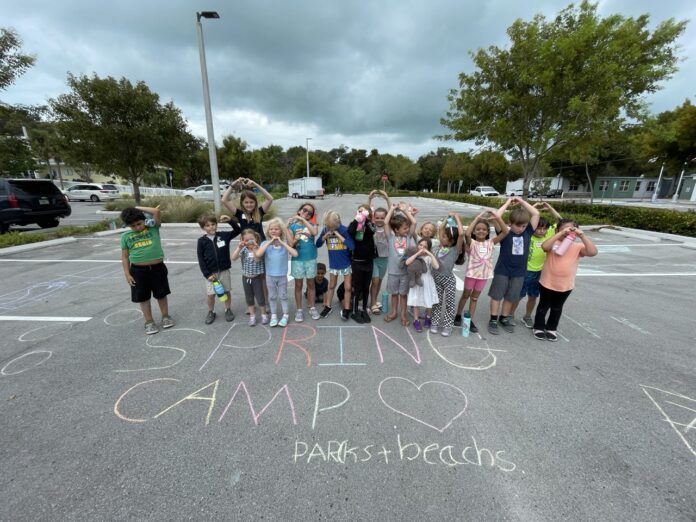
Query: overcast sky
x=364 y=74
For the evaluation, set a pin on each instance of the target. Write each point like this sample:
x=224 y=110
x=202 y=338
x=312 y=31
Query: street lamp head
x=207 y=14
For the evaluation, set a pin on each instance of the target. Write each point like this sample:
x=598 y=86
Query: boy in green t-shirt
x=535 y=262
x=142 y=260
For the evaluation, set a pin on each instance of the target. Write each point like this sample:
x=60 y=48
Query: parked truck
x=305 y=188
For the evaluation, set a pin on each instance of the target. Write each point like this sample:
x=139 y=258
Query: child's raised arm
x=155 y=211
x=533 y=212
x=589 y=249
x=502 y=228
x=237 y=251
x=225 y=199
x=553 y=211
x=390 y=213
x=261 y=251
x=268 y=199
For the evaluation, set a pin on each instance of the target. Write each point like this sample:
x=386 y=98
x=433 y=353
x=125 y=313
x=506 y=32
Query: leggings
x=253 y=288
x=277 y=289
x=362 y=277
x=551 y=302
x=445 y=309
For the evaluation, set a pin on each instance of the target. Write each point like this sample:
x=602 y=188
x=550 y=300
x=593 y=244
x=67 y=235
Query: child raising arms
x=339 y=244
x=451 y=239
x=479 y=247
x=424 y=295
x=399 y=228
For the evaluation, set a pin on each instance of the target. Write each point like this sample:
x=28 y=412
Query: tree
x=671 y=136
x=350 y=179
x=403 y=172
x=119 y=127
x=431 y=165
x=234 y=159
x=12 y=62
x=318 y=167
x=561 y=82
x=269 y=164
x=459 y=167
x=15 y=152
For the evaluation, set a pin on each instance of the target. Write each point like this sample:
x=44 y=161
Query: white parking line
x=47 y=318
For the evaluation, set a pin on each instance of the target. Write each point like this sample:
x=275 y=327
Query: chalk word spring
x=435 y=454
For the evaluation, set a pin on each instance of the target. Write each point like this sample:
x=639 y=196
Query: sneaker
x=274 y=321
x=551 y=336
x=325 y=312
x=229 y=315
x=366 y=317
x=345 y=314
x=299 y=316
x=458 y=320
x=357 y=316
x=528 y=321
x=167 y=322
x=313 y=313
x=210 y=317
x=446 y=332
x=428 y=322
x=512 y=320
x=472 y=328
x=540 y=334
x=264 y=318
x=507 y=325
x=433 y=329
x=493 y=327
x=252 y=320
x=283 y=321
x=151 y=328
x=417 y=326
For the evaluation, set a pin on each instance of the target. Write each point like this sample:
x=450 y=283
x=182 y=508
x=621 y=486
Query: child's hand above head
x=403 y=206
x=224 y=218
x=413 y=211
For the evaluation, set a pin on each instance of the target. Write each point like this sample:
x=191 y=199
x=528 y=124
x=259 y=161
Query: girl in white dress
x=426 y=295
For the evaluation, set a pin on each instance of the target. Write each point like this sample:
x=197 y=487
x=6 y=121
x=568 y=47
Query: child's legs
x=403 y=311
x=264 y=285
x=531 y=303
x=466 y=294
x=415 y=311
x=211 y=302
x=557 y=302
x=248 y=288
x=496 y=292
x=474 y=300
x=311 y=292
x=437 y=308
x=333 y=279
x=272 y=293
x=448 y=306
x=531 y=288
x=374 y=290
x=394 y=303
x=299 y=283
x=146 y=308
x=257 y=291
x=282 y=285
x=545 y=300
x=347 y=285
x=512 y=294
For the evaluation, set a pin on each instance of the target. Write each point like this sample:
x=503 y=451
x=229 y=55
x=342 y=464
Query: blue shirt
x=276 y=260
x=339 y=251
x=306 y=249
x=514 y=251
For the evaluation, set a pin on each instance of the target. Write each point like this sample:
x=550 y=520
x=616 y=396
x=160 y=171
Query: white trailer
x=305 y=188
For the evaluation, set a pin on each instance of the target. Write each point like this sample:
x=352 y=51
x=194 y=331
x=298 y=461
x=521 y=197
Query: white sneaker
x=314 y=313
x=299 y=316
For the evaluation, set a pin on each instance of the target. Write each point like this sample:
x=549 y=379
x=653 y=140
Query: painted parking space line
x=44 y=318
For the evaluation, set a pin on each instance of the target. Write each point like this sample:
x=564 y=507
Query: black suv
x=26 y=201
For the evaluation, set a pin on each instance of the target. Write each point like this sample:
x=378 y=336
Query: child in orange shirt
x=558 y=277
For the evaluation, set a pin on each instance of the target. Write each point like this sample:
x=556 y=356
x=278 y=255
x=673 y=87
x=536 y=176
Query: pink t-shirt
x=480 y=259
x=559 y=271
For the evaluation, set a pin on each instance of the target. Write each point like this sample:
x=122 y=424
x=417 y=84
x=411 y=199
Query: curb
x=647 y=235
x=38 y=244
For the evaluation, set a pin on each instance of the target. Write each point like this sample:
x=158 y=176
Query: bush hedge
x=644 y=218
x=17 y=238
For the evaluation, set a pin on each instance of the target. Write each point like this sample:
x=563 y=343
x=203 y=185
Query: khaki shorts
x=224 y=278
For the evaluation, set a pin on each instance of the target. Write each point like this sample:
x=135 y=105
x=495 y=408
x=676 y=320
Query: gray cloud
x=369 y=74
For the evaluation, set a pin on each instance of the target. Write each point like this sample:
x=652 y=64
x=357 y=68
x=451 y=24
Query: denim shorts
x=303 y=269
x=531 y=284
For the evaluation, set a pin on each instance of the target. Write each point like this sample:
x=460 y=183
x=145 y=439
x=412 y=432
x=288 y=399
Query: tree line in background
x=564 y=97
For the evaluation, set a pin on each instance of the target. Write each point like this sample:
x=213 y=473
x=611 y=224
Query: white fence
x=151 y=191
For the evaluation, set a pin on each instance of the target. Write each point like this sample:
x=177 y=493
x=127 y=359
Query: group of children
x=378 y=243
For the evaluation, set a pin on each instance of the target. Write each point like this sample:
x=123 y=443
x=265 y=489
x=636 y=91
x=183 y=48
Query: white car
x=200 y=192
x=484 y=191
x=515 y=192
x=92 y=192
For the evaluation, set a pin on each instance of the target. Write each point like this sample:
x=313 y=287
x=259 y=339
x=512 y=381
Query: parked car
x=92 y=192
x=515 y=192
x=27 y=201
x=554 y=193
x=484 y=191
x=200 y=192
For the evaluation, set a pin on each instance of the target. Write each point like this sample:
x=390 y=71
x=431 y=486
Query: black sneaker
x=551 y=336
x=506 y=323
x=345 y=314
x=210 y=317
x=493 y=327
x=458 y=320
x=229 y=315
x=325 y=312
x=366 y=316
x=357 y=316
x=540 y=334
x=472 y=328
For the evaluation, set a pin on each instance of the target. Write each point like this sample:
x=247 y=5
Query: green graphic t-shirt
x=537 y=256
x=142 y=246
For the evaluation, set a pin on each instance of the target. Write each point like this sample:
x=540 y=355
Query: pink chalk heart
x=426 y=387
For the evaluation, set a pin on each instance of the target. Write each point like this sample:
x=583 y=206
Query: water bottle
x=565 y=244
x=149 y=221
x=219 y=290
x=451 y=223
x=466 y=324
x=385 y=302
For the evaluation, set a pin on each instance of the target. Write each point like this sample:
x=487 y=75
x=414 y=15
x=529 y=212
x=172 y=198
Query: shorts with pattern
x=303 y=269
x=340 y=271
x=224 y=278
x=397 y=284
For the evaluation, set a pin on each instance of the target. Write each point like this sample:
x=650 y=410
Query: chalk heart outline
x=419 y=388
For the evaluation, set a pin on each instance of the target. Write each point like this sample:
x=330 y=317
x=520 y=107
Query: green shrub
x=18 y=238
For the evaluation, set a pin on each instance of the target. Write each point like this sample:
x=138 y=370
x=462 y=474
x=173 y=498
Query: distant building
x=631 y=187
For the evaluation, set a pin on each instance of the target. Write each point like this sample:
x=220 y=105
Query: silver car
x=92 y=192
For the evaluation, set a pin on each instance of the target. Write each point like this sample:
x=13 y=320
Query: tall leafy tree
x=269 y=164
x=234 y=159
x=672 y=135
x=13 y=63
x=402 y=171
x=431 y=165
x=119 y=127
x=561 y=82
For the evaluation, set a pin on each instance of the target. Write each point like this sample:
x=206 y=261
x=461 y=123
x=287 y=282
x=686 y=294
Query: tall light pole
x=307 y=150
x=212 y=152
x=676 y=194
x=657 y=187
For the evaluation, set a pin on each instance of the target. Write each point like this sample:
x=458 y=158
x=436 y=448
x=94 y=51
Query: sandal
x=405 y=321
x=389 y=318
x=376 y=309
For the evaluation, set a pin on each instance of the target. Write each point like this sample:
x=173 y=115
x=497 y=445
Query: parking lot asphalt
x=334 y=420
